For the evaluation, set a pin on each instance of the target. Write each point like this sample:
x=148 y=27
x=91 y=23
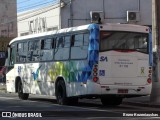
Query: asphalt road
x=86 y=109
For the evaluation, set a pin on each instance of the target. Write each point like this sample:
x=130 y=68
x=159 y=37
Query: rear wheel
x=21 y=95
x=111 y=101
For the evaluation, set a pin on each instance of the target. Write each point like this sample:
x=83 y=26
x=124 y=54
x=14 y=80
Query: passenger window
x=12 y=55
x=86 y=39
x=79 y=44
x=62 y=48
x=46 y=50
x=60 y=42
x=34 y=51
x=22 y=52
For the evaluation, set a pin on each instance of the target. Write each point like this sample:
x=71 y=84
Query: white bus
x=106 y=61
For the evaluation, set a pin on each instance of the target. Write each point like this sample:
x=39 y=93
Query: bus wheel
x=21 y=95
x=61 y=93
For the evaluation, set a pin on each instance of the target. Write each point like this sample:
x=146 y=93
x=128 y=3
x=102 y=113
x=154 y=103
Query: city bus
x=109 y=62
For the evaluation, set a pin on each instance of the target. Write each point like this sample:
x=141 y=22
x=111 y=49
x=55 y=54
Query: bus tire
x=61 y=93
x=21 y=95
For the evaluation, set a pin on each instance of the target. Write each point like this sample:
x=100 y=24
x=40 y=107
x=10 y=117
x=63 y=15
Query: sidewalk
x=140 y=101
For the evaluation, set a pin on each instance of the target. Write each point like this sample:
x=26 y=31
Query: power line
x=37 y=13
x=34 y=5
x=18 y=2
x=40 y=11
x=28 y=5
x=23 y=1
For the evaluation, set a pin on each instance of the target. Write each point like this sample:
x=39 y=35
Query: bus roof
x=125 y=27
x=65 y=30
x=108 y=26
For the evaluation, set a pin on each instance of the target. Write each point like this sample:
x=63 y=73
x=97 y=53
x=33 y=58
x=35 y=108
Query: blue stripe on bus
x=94 y=45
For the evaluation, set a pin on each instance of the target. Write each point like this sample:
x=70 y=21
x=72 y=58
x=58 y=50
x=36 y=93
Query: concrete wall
x=8 y=22
x=8 y=18
x=40 y=20
x=78 y=13
x=114 y=11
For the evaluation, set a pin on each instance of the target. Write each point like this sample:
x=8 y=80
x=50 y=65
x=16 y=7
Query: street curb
x=141 y=104
x=3 y=91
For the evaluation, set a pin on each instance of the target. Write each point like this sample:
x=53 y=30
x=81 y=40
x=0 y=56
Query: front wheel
x=21 y=95
x=61 y=93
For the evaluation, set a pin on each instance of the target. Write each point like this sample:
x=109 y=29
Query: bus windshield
x=114 y=40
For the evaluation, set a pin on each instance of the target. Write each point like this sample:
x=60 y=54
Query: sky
x=23 y=5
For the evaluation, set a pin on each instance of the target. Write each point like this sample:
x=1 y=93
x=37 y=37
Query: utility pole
x=155 y=94
x=71 y=13
x=60 y=15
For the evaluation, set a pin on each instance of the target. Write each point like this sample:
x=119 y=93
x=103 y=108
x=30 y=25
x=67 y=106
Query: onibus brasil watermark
x=140 y=114
x=19 y=114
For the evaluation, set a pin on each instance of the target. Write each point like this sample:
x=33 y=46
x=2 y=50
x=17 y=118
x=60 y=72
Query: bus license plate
x=122 y=90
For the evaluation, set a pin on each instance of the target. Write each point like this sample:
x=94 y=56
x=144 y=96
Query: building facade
x=8 y=25
x=68 y=13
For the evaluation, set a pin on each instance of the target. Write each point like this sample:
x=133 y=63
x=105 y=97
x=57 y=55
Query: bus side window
x=17 y=53
x=36 y=50
x=30 y=51
x=79 y=45
x=42 y=44
x=54 y=43
x=12 y=55
x=67 y=41
x=60 y=42
x=46 y=53
x=72 y=40
x=86 y=39
x=20 y=52
x=62 y=48
x=25 y=50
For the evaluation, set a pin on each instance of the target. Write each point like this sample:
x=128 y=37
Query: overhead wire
x=23 y=1
x=34 y=5
x=40 y=11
